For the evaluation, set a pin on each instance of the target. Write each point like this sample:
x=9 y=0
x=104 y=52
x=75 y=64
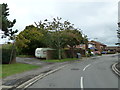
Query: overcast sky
x=96 y=18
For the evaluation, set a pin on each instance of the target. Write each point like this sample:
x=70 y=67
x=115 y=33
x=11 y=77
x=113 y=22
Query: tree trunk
x=12 y=58
x=72 y=52
x=59 y=53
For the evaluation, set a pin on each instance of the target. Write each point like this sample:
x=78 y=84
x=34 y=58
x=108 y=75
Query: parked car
x=111 y=52
x=104 y=52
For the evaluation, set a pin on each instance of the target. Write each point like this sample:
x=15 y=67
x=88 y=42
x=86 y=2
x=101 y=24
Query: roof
x=113 y=47
x=94 y=42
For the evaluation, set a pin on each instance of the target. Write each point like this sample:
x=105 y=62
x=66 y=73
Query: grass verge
x=10 y=69
x=24 y=56
x=62 y=60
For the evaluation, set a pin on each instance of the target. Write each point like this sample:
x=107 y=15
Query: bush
x=88 y=54
x=54 y=54
x=7 y=51
x=0 y=54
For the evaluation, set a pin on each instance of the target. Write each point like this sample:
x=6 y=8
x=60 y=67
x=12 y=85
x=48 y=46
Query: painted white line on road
x=81 y=83
x=7 y=87
x=86 y=67
x=29 y=81
x=35 y=79
x=115 y=69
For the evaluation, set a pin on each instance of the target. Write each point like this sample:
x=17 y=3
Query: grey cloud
x=96 y=19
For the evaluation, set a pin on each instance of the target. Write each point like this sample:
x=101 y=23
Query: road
x=94 y=72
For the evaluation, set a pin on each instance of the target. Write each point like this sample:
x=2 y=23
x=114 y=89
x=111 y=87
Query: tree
x=7 y=24
x=118 y=31
x=54 y=34
x=118 y=34
x=29 y=39
x=72 y=38
x=60 y=33
x=54 y=29
x=0 y=16
x=85 y=41
x=57 y=27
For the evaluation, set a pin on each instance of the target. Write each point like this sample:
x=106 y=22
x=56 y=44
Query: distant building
x=113 y=48
x=81 y=46
x=95 y=45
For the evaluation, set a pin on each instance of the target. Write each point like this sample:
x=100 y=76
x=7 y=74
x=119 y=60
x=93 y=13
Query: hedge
x=8 y=53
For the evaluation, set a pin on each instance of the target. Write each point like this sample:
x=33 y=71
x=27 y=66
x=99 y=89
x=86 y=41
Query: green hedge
x=8 y=52
x=0 y=54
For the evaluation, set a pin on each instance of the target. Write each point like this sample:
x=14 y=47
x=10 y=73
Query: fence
x=53 y=54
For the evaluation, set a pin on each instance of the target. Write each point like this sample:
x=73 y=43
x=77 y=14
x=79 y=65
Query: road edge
x=32 y=81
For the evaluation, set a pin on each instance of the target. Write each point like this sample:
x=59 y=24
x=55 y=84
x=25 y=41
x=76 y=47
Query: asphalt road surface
x=94 y=72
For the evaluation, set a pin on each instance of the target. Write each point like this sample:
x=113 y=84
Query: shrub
x=8 y=53
x=88 y=54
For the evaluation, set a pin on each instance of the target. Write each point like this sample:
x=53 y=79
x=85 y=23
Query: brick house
x=96 y=45
x=113 y=48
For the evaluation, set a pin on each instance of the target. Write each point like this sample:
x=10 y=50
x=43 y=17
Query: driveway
x=33 y=61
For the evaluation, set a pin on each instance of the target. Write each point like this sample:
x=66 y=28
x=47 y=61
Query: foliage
x=88 y=54
x=56 y=34
x=118 y=34
x=72 y=37
x=29 y=39
x=7 y=24
x=61 y=34
x=8 y=53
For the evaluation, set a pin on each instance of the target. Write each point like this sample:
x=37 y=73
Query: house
x=113 y=48
x=97 y=46
x=81 y=46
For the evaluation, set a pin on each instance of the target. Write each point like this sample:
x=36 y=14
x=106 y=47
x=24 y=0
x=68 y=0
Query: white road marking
x=115 y=70
x=35 y=79
x=86 y=67
x=81 y=83
x=48 y=67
